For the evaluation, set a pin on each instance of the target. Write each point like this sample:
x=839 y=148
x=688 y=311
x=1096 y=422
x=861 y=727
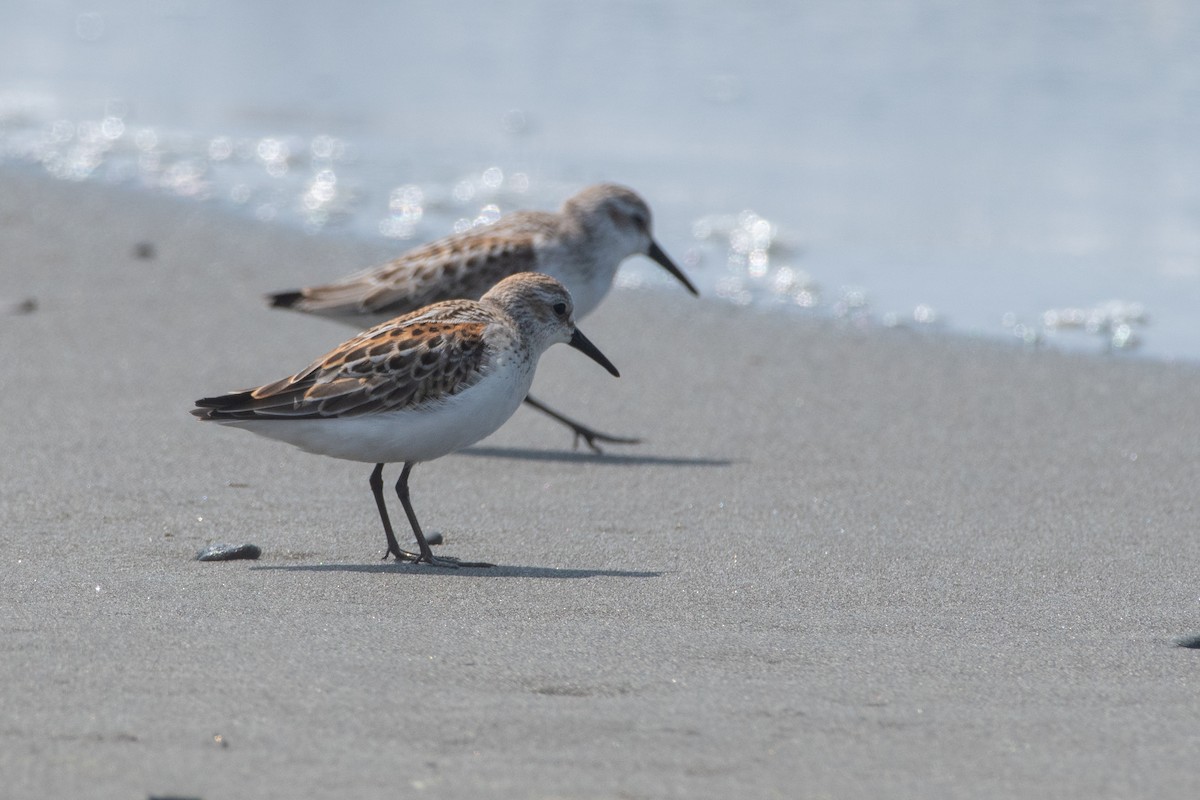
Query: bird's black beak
x=581 y=343
x=655 y=252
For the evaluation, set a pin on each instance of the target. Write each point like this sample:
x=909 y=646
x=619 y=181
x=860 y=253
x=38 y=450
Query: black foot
x=582 y=431
x=448 y=562
x=402 y=555
x=590 y=437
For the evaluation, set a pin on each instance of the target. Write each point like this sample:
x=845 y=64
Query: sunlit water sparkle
x=1046 y=192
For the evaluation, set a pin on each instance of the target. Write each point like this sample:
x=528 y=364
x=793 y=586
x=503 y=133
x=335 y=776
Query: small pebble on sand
x=228 y=552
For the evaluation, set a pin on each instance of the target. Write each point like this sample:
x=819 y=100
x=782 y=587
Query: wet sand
x=842 y=564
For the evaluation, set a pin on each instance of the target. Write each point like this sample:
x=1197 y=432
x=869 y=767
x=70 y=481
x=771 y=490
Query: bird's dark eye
x=560 y=308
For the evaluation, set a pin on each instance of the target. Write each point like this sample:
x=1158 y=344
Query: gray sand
x=843 y=564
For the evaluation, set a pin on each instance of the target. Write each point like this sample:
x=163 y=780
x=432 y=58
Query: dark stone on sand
x=228 y=552
x=26 y=306
x=144 y=250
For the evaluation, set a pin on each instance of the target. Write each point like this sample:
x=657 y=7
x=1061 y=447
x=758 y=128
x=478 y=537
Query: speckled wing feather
x=465 y=265
x=405 y=363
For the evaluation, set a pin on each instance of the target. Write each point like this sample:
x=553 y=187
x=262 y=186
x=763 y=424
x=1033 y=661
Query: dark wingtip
x=214 y=407
x=284 y=299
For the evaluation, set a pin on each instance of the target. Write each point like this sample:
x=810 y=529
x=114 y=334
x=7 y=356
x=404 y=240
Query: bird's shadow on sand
x=573 y=456
x=497 y=571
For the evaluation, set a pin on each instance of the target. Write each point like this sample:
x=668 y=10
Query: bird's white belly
x=587 y=293
x=587 y=283
x=419 y=434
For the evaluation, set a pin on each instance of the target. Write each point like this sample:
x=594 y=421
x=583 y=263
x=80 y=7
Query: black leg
x=393 y=547
x=402 y=491
x=426 y=554
x=580 y=430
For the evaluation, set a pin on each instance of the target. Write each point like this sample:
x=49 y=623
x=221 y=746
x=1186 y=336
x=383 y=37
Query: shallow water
x=1015 y=169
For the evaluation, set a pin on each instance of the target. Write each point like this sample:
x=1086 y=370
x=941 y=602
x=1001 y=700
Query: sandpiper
x=416 y=387
x=581 y=245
